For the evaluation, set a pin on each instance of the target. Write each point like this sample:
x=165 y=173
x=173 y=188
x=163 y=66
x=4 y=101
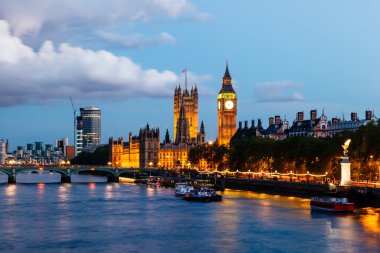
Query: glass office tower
x=88 y=129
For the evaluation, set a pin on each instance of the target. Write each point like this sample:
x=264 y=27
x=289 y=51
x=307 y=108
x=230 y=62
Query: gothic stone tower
x=190 y=102
x=227 y=110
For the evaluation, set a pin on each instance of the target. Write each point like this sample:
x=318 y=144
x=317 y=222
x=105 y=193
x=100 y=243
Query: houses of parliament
x=145 y=149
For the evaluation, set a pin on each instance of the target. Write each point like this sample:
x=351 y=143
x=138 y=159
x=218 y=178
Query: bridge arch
x=6 y=172
x=108 y=172
x=26 y=169
x=93 y=169
x=127 y=171
x=63 y=172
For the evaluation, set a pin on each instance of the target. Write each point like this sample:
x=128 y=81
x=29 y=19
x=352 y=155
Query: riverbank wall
x=361 y=196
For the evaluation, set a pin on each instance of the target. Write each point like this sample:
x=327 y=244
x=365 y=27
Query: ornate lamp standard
x=345 y=172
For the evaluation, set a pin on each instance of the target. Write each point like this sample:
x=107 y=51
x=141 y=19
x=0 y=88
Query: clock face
x=229 y=104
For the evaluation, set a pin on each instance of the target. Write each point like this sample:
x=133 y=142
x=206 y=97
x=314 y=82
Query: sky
x=127 y=56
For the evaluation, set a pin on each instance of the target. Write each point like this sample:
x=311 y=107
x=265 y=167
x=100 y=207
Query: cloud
x=52 y=73
x=136 y=40
x=39 y=20
x=278 y=91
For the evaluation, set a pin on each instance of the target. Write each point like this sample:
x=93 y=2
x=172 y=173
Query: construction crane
x=75 y=125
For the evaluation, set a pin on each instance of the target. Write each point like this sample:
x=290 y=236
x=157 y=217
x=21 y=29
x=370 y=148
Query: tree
x=99 y=157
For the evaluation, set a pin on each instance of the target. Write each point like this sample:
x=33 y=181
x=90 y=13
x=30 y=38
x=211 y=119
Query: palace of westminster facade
x=145 y=150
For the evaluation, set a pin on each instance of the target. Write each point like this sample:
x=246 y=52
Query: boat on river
x=182 y=188
x=331 y=204
x=204 y=194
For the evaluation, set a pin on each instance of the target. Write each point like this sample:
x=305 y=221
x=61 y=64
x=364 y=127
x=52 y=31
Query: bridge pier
x=65 y=179
x=11 y=179
x=114 y=179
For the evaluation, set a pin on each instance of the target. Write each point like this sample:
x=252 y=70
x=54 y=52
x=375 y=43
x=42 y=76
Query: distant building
x=149 y=147
x=61 y=145
x=88 y=132
x=337 y=125
x=315 y=126
x=125 y=154
x=40 y=153
x=3 y=152
x=277 y=128
x=246 y=132
x=175 y=154
x=189 y=101
x=70 y=152
x=141 y=151
x=145 y=150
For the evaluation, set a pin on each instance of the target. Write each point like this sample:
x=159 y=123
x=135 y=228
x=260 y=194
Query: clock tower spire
x=227 y=110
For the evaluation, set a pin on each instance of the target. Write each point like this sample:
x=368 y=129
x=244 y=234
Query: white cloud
x=278 y=91
x=29 y=76
x=136 y=40
x=57 y=20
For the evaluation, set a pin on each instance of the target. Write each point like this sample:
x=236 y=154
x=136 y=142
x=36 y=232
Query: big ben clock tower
x=227 y=110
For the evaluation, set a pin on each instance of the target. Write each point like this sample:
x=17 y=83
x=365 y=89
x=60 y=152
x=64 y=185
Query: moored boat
x=331 y=204
x=204 y=194
x=182 y=188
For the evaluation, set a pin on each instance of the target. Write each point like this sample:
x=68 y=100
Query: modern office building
x=88 y=132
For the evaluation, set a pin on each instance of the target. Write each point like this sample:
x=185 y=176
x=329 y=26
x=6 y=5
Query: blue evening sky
x=283 y=56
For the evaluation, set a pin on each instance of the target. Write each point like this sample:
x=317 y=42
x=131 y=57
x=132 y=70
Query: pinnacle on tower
x=167 y=137
x=202 y=130
x=227 y=73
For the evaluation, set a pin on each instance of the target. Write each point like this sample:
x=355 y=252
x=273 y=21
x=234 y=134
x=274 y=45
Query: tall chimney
x=253 y=123
x=354 y=116
x=277 y=120
x=259 y=124
x=313 y=114
x=271 y=121
x=240 y=124
x=335 y=120
x=368 y=115
x=246 y=124
x=300 y=116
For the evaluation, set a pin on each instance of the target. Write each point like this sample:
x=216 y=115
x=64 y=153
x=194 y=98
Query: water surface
x=135 y=218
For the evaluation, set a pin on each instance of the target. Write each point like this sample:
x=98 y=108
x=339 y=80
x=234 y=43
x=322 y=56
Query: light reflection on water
x=127 y=217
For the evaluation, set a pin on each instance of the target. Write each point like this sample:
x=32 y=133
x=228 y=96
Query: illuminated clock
x=229 y=104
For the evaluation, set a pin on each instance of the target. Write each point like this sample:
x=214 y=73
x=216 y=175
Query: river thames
x=122 y=217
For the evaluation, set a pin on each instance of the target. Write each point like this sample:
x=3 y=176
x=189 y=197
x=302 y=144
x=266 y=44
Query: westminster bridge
x=112 y=173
